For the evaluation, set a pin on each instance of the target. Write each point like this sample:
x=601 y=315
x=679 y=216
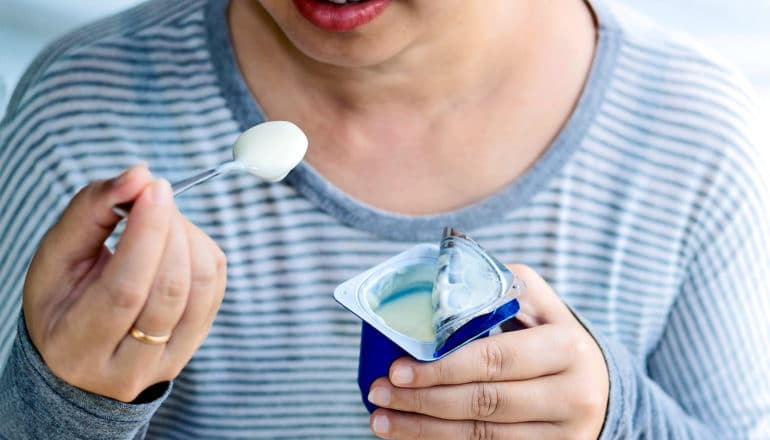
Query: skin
x=548 y=381
x=166 y=277
x=398 y=108
x=395 y=111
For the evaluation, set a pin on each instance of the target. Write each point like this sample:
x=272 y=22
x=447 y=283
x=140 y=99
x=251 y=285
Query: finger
x=398 y=425
x=539 y=303
x=105 y=312
x=72 y=251
x=520 y=355
x=502 y=402
x=208 y=277
x=88 y=220
x=167 y=299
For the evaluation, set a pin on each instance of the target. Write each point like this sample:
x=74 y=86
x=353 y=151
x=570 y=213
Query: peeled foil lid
x=469 y=282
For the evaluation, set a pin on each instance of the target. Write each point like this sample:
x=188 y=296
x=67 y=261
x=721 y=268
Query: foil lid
x=469 y=283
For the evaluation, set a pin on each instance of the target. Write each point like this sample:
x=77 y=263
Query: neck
x=481 y=101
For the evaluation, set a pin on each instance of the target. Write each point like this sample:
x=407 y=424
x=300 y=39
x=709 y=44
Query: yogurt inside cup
x=408 y=307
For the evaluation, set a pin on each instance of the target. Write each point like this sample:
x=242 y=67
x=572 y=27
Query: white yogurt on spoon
x=269 y=150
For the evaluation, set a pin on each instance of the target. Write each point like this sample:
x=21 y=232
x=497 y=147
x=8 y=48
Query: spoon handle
x=185 y=184
x=177 y=188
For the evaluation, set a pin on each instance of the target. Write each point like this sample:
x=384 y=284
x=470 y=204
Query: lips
x=340 y=15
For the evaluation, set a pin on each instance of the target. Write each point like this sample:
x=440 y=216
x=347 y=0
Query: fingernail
x=380 y=424
x=161 y=192
x=402 y=375
x=379 y=396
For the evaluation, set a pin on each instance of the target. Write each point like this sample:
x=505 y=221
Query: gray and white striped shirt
x=645 y=214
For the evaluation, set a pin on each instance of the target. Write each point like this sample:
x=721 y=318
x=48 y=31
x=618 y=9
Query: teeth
x=343 y=2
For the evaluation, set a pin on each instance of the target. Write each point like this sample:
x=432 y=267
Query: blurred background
x=739 y=30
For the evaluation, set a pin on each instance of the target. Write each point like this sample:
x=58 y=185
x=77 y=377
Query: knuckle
x=492 y=359
x=485 y=401
x=220 y=260
x=421 y=430
x=578 y=346
x=204 y=274
x=124 y=295
x=588 y=402
x=209 y=261
x=437 y=372
x=582 y=346
x=172 y=289
x=418 y=400
x=479 y=430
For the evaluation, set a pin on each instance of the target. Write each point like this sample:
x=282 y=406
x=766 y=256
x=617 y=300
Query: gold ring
x=144 y=338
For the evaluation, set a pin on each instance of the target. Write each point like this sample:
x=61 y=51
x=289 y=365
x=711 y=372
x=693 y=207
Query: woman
x=614 y=160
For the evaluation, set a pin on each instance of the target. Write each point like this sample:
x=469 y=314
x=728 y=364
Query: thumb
x=88 y=220
x=539 y=303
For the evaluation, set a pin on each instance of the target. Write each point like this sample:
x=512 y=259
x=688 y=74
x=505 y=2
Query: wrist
x=37 y=404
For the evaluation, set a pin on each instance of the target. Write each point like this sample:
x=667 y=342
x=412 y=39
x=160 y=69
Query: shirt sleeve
x=36 y=404
x=36 y=183
x=708 y=376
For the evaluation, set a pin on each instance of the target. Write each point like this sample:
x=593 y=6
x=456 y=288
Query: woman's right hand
x=166 y=277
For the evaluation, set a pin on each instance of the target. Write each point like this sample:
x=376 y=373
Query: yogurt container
x=427 y=302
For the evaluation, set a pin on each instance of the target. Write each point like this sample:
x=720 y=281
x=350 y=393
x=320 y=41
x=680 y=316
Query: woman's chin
x=371 y=43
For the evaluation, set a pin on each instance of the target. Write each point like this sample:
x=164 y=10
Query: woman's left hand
x=548 y=381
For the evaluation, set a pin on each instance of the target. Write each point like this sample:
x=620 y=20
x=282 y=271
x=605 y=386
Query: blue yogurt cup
x=414 y=270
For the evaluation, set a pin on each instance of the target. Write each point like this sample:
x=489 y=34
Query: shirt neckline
x=393 y=226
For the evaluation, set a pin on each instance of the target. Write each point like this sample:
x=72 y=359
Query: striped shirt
x=645 y=214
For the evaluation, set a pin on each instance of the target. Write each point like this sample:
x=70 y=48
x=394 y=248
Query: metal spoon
x=269 y=151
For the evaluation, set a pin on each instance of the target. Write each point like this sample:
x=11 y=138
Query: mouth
x=340 y=15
